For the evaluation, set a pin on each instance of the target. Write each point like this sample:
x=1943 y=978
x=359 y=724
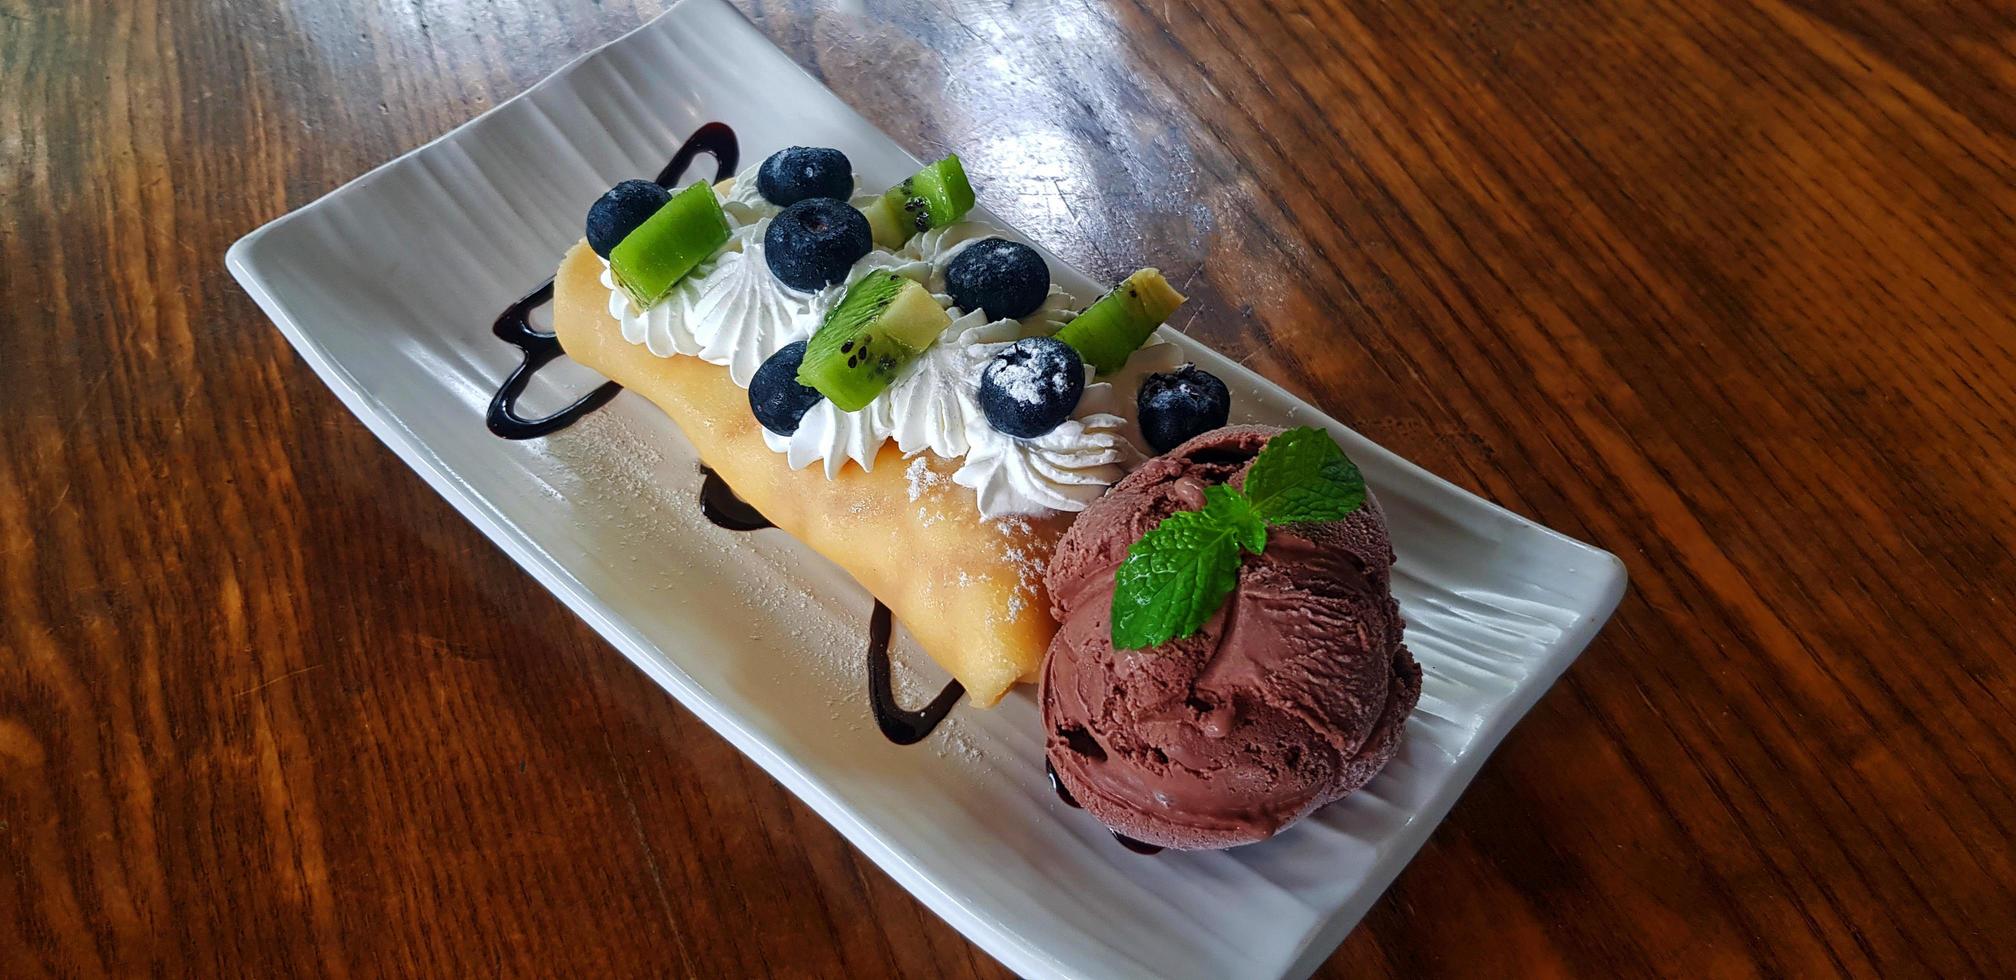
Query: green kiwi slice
x=649 y=261
x=932 y=197
x=1117 y=323
x=881 y=325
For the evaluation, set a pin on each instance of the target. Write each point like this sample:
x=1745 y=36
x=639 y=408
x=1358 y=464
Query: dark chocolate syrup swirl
x=900 y=726
x=514 y=325
x=1064 y=794
x=726 y=510
x=1138 y=847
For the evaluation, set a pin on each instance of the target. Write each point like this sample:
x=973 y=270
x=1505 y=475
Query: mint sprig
x=1179 y=573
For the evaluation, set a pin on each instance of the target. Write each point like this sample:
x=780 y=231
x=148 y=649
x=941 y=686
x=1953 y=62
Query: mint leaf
x=1178 y=574
x=1301 y=475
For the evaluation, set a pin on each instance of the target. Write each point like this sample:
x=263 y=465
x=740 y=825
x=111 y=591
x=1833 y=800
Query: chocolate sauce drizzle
x=514 y=325
x=722 y=508
x=726 y=510
x=1138 y=847
x=1064 y=794
x=900 y=726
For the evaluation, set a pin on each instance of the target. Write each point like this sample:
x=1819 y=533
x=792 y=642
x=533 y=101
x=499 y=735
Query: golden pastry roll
x=969 y=590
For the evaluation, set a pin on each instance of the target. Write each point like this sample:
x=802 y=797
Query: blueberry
x=618 y=213
x=1006 y=279
x=801 y=172
x=776 y=397
x=1032 y=386
x=812 y=244
x=1181 y=405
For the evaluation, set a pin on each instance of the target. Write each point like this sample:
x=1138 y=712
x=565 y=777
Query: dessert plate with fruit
x=1121 y=658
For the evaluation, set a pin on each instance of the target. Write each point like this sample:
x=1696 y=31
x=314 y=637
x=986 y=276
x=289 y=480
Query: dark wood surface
x=1723 y=287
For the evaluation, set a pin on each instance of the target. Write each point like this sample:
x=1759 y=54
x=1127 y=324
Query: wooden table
x=1723 y=287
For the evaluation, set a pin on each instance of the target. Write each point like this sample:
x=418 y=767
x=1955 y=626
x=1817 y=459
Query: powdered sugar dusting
x=1019 y=554
x=922 y=478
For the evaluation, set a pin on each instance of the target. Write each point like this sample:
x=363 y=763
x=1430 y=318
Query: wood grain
x=1724 y=287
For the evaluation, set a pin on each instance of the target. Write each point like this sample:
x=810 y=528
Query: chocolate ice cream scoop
x=1291 y=696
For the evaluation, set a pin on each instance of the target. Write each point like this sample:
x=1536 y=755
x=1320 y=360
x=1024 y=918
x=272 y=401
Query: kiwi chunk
x=648 y=262
x=1117 y=323
x=932 y=197
x=880 y=326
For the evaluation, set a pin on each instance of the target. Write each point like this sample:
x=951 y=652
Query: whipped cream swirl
x=1070 y=466
x=730 y=311
x=1064 y=469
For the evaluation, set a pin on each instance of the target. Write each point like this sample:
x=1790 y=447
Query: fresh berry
x=775 y=395
x=1006 y=279
x=801 y=172
x=1032 y=387
x=1181 y=405
x=619 y=212
x=812 y=244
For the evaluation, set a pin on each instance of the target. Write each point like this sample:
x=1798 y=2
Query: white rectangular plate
x=388 y=287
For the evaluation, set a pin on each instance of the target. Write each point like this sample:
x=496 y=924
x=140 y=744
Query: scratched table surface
x=1723 y=287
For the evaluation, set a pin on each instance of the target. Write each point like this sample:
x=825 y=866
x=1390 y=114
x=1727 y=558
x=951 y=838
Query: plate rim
x=1015 y=951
